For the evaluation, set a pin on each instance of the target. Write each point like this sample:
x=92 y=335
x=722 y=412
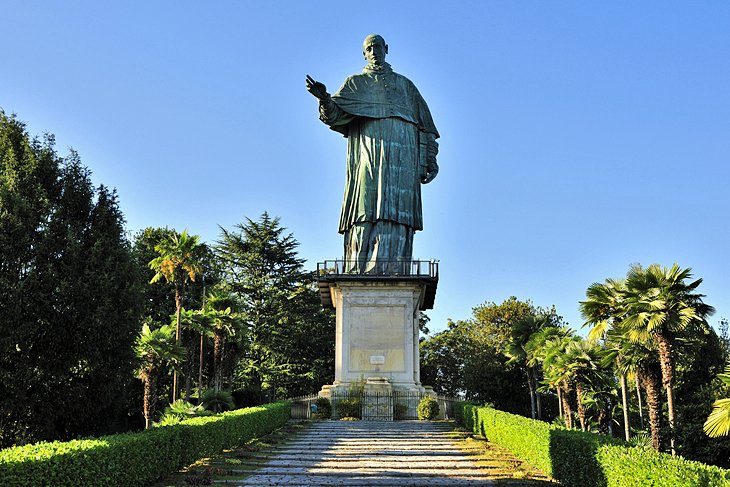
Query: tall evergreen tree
x=289 y=341
x=68 y=304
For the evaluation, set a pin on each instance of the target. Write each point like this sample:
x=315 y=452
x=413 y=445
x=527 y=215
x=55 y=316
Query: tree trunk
x=581 y=407
x=667 y=363
x=538 y=403
x=150 y=397
x=567 y=408
x=189 y=374
x=609 y=416
x=531 y=386
x=625 y=404
x=638 y=397
x=604 y=422
x=218 y=359
x=560 y=401
x=654 y=404
x=200 y=370
x=178 y=308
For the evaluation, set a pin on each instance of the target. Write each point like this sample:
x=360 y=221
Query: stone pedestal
x=376 y=339
x=377 y=332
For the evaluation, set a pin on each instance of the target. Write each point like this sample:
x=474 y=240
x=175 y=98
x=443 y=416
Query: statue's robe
x=388 y=125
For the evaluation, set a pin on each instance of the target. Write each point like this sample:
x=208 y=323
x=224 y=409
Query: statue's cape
x=382 y=94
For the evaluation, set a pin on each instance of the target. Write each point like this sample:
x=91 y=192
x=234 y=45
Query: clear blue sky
x=576 y=137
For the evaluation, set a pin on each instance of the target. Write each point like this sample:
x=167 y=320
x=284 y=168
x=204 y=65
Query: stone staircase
x=371 y=453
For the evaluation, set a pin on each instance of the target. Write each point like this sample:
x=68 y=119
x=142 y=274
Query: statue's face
x=375 y=50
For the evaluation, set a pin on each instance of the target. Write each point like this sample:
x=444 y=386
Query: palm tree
x=224 y=323
x=154 y=348
x=580 y=363
x=659 y=304
x=520 y=334
x=179 y=260
x=603 y=309
x=200 y=322
x=639 y=359
x=718 y=422
x=538 y=347
x=556 y=373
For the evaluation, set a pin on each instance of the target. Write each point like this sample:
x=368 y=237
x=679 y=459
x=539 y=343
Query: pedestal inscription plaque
x=379 y=345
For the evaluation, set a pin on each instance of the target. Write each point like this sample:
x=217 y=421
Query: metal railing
x=380 y=268
x=372 y=406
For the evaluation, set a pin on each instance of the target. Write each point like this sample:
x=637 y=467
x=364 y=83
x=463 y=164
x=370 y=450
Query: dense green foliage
x=324 y=408
x=653 y=326
x=154 y=348
x=350 y=407
x=428 y=409
x=74 y=294
x=580 y=459
x=457 y=361
x=69 y=300
x=288 y=346
x=136 y=459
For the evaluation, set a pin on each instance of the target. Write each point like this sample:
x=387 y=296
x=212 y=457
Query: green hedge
x=583 y=459
x=136 y=459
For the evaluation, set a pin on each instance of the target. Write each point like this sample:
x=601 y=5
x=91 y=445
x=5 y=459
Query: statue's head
x=374 y=49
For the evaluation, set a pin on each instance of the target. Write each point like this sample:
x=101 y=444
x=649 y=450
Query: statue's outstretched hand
x=316 y=88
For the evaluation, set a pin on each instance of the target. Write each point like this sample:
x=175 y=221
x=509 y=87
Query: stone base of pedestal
x=377 y=330
x=376 y=339
x=376 y=400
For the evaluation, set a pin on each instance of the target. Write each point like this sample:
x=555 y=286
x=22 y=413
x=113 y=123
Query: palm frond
x=718 y=422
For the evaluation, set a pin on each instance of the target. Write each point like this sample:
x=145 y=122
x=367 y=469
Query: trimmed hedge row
x=136 y=459
x=583 y=459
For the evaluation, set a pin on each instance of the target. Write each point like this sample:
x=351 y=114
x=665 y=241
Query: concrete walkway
x=370 y=453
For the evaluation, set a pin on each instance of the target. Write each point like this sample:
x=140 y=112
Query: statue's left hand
x=431 y=171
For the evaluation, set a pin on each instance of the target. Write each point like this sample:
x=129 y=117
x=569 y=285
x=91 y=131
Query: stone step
x=350 y=454
x=407 y=463
x=395 y=471
x=355 y=455
x=355 y=481
x=368 y=448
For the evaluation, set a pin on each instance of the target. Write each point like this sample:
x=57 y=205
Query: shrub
x=324 y=408
x=583 y=459
x=136 y=459
x=428 y=408
x=181 y=410
x=349 y=408
x=400 y=411
x=218 y=400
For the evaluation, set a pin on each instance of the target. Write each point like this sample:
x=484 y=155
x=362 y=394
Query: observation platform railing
x=425 y=272
x=389 y=268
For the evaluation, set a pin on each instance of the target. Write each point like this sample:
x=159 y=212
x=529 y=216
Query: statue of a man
x=391 y=151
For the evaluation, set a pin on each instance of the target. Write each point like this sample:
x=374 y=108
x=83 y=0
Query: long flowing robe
x=388 y=127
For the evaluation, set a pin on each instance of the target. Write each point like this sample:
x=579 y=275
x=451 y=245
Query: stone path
x=370 y=453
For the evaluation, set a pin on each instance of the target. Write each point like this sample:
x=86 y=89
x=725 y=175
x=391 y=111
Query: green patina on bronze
x=391 y=151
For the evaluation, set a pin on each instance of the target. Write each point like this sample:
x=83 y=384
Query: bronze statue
x=391 y=151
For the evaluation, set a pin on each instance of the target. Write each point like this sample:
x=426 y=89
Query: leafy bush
x=324 y=408
x=181 y=410
x=136 y=459
x=428 y=408
x=400 y=411
x=583 y=459
x=349 y=408
x=218 y=400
